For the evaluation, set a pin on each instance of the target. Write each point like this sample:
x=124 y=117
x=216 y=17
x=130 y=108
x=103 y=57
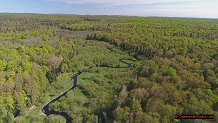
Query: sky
x=166 y=8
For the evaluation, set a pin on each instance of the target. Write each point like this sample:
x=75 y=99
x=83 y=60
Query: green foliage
x=28 y=52
x=178 y=56
x=54 y=119
x=3 y=65
x=176 y=71
x=171 y=72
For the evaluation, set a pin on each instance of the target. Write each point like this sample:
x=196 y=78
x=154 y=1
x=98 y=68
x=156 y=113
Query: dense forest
x=174 y=68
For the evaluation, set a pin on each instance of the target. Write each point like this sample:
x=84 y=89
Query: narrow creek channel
x=46 y=109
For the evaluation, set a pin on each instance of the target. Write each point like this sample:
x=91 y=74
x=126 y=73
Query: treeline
x=31 y=57
x=26 y=73
x=97 y=89
x=179 y=72
x=176 y=71
x=155 y=37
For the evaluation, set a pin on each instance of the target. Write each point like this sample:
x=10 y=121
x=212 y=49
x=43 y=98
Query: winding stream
x=46 y=109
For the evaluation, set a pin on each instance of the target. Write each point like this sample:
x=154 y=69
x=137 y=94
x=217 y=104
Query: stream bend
x=46 y=109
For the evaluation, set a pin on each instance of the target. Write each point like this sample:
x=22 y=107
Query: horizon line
x=185 y=17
